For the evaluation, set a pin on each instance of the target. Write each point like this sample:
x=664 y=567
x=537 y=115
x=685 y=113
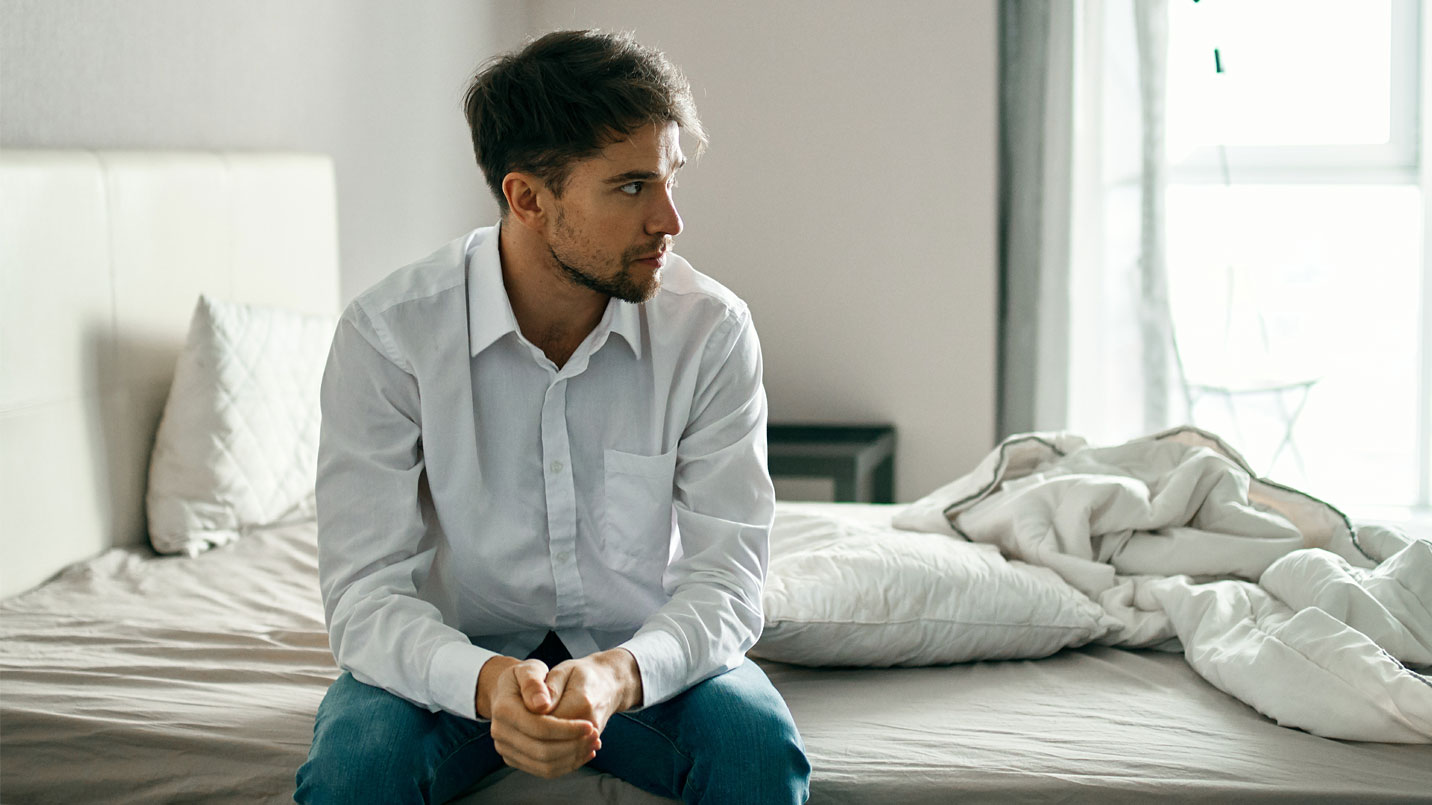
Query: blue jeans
x=729 y=739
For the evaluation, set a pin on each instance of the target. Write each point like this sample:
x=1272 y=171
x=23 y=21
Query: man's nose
x=665 y=220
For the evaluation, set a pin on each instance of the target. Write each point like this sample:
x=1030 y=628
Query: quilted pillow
x=237 y=447
x=848 y=593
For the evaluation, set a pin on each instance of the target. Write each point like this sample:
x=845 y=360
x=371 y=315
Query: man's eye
x=631 y=188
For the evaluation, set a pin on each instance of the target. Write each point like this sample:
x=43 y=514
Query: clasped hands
x=548 y=722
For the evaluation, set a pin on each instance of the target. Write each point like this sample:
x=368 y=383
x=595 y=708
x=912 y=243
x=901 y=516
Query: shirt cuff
x=452 y=677
x=662 y=662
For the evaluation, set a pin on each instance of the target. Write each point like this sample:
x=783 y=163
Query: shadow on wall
x=123 y=423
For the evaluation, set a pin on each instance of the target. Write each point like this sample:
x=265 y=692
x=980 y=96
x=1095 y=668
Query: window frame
x=1393 y=162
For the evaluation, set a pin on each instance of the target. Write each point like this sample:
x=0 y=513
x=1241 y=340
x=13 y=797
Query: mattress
x=135 y=678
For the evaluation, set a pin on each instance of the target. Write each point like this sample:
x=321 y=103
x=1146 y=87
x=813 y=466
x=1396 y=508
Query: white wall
x=375 y=83
x=849 y=196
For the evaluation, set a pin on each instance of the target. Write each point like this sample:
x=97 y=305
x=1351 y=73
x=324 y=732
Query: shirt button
x=563 y=556
x=556 y=467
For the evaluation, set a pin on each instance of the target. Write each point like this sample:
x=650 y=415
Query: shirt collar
x=489 y=311
x=626 y=322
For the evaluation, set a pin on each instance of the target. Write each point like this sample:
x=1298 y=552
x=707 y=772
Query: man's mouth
x=655 y=259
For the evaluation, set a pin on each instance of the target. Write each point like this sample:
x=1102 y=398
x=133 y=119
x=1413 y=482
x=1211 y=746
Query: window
x=1295 y=219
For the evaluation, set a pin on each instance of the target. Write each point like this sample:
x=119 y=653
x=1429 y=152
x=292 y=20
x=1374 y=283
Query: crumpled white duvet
x=1272 y=595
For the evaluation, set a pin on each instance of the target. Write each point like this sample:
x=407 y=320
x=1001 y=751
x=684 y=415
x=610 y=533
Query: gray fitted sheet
x=1090 y=725
x=138 y=679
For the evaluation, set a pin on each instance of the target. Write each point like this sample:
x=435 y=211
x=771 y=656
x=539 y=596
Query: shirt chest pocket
x=636 y=507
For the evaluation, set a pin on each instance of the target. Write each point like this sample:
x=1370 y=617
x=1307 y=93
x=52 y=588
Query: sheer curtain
x=1086 y=339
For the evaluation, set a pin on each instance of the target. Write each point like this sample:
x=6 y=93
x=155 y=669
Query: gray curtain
x=1040 y=41
x=1036 y=123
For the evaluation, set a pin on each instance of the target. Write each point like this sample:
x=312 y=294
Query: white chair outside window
x=1237 y=353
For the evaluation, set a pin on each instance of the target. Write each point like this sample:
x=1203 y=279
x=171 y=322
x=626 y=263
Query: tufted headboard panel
x=102 y=257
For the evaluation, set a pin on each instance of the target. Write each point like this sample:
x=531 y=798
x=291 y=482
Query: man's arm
x=374 y=546
x=724 y=504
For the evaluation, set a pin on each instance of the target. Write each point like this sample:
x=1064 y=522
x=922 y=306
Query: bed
x=127 y=676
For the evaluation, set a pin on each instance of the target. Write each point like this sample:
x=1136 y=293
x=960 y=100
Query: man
x=543 y=506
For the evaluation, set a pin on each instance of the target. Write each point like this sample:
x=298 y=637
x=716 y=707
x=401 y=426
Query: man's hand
x=596 y=686
x=526 y=732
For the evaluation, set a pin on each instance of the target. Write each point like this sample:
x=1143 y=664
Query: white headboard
x=102 y=257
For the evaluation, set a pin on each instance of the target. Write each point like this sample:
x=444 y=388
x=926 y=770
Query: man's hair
x=564 y=98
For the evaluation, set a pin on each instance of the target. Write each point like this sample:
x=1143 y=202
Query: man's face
x=616 y=217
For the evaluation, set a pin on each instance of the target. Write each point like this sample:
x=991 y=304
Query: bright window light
x=1294 y=240
x=1276 y=285
x=1295 y=72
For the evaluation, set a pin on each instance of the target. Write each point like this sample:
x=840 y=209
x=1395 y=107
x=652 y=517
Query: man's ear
x=524 y=198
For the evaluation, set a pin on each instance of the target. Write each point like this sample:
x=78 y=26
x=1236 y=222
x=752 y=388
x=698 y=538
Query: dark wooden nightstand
x=860 y=459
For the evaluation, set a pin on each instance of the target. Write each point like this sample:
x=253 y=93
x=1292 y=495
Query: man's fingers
x=543 y=745
x=547 y=770
x=512 y=714
x=516 y=744
x=557 y=683
x=524 y=733
x=551 y=728
x=532 y=682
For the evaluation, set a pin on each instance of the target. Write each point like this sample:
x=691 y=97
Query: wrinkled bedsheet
x=1271 y=594
x=135 y=678
x=140 y=679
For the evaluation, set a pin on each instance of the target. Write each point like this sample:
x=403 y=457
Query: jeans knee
x=782 y=766
x=367 y=747
x=360 y=770
x=759 y=760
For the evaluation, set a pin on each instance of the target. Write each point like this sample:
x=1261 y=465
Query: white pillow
x=238 y=445
x=843 y=592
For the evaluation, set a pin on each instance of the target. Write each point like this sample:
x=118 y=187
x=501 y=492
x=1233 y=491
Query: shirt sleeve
x=376 y=540
x=724 y=504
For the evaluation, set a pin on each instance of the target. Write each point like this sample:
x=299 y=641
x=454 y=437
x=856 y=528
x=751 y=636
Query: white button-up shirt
x=472 y=495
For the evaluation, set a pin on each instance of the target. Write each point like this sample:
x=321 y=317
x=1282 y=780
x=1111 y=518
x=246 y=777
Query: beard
x=627 y=283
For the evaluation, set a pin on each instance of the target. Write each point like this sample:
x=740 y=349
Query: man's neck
x=552 y=312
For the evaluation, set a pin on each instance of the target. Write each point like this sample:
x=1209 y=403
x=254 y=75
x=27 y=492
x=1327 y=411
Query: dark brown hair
x=566 y=96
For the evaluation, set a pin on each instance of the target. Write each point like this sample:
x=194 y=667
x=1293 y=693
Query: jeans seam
x=690 y=764
x=664 y=736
